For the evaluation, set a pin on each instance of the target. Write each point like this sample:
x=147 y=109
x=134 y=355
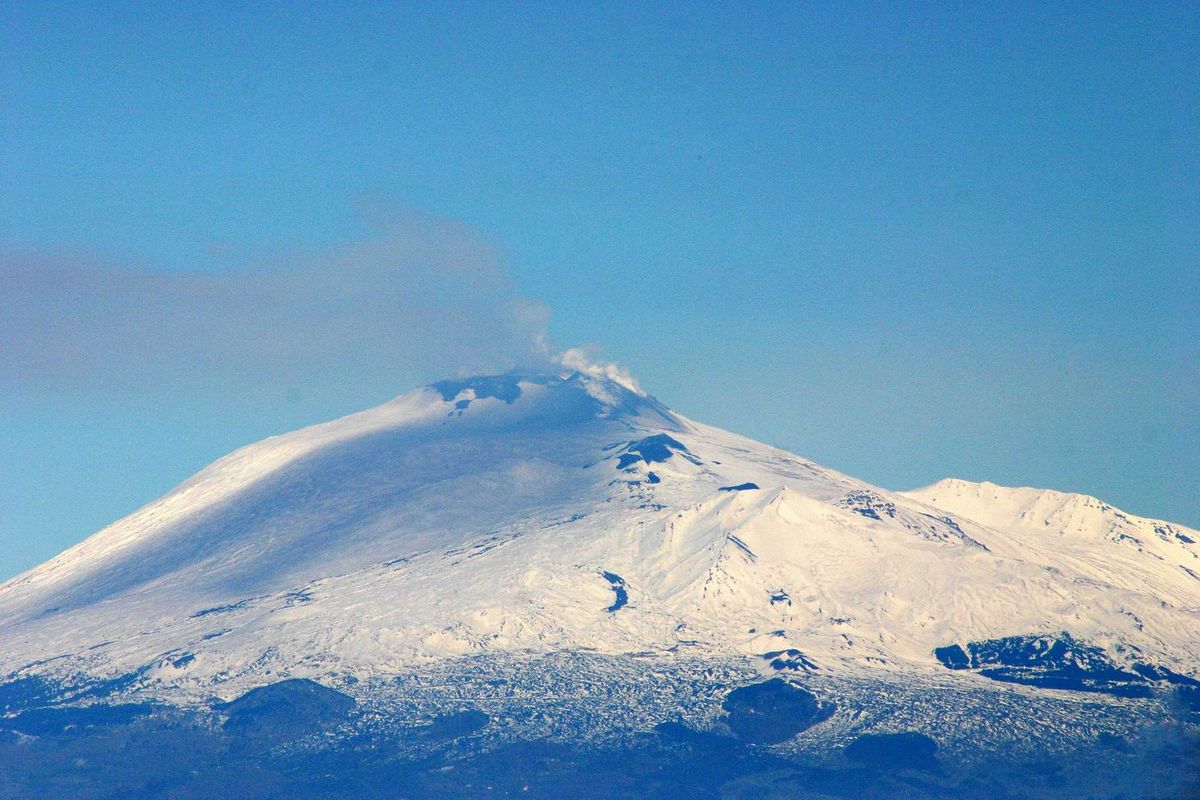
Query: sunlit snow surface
x=562 y=559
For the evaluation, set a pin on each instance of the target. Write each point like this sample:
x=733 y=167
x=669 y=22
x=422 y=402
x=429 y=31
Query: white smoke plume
x=585 y=360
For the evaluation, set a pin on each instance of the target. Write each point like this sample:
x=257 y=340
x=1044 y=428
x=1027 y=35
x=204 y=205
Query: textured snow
x=501 y=515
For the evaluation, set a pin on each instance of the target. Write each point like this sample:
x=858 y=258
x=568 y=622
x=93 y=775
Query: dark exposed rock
x=1053 y=662
x=286 y=708
x=773 y=711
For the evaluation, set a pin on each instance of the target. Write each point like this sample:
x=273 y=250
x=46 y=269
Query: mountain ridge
x=554 y=581
x=527 y=506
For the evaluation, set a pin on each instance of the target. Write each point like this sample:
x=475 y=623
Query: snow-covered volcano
x=568 y=512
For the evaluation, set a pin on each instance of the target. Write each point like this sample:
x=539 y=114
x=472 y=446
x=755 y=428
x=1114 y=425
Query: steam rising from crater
x=583 y=359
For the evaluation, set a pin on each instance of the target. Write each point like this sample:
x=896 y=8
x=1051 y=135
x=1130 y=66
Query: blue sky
x=905 y=242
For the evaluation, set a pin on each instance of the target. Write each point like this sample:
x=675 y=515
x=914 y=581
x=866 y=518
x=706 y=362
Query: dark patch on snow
x=868 y=504
x=790 y=659
x=225 y=609
x=182 y=660
x=567 y=521
x=1124 y=537
x=928 y=526
x=781 y=597
x=479 y=547
x=949 y=523
x=628 y=460
x=1047 y=661
x=652 y=478
x=741 y=487
x=1167 y=532
x=501 y=387
x=953 y=657
x=742 y=546
x=955 y=531
x=1155 y=673
x=773 y=711
x=618 y=586
x=298 y=598
x=651 y=450
x=907 y=750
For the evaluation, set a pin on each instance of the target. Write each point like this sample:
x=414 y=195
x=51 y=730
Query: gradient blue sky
x=908 y=242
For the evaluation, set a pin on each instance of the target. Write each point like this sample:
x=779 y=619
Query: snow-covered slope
x=1130 y=552
x=550 y=512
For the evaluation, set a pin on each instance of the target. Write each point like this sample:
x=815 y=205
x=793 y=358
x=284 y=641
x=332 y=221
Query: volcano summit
x=551 y=585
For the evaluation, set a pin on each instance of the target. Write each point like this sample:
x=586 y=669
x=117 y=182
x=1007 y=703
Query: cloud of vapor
x=587 y=360
x=420 y=298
